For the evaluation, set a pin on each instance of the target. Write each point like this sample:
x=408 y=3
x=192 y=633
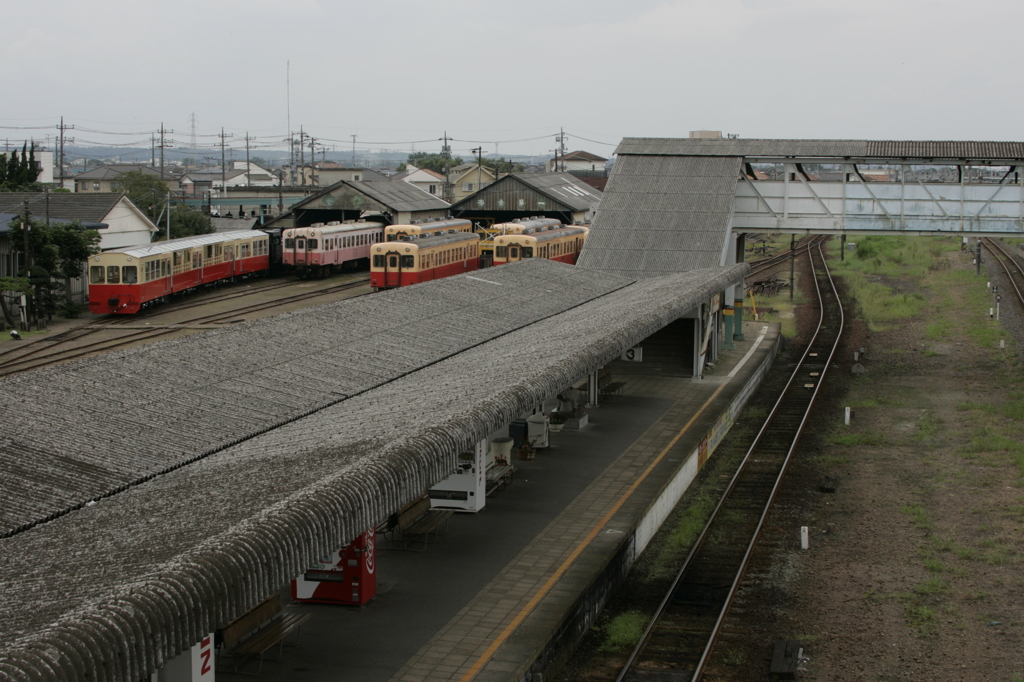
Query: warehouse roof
x=166 y=562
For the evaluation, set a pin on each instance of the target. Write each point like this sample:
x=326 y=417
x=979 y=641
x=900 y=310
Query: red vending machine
x=348 y=576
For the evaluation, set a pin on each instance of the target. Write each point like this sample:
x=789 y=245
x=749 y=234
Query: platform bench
x=259 y=630
x=499 y=477
x=416 y=523
x=613 y=388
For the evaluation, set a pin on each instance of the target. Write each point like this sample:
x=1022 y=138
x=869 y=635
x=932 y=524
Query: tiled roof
x=583 y=156
x=89 y=207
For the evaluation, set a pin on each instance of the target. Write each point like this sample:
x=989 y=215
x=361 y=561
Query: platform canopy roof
x=315 y=442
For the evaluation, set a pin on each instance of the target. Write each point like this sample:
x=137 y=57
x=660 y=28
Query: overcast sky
x=499 y=75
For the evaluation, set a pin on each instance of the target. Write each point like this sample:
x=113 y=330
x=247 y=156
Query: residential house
x=577 y=161
x=427 y=180
x=469 y=178
x=105 y=178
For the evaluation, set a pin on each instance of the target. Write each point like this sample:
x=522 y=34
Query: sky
x=507 y=77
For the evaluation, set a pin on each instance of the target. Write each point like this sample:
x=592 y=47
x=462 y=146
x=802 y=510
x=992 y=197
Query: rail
x=682 y=633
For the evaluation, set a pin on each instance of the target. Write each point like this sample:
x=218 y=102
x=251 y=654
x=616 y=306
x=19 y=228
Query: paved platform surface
x=482 y=601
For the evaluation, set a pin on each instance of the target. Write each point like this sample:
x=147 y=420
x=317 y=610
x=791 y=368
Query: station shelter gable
x=521 y=195
x=399 y=203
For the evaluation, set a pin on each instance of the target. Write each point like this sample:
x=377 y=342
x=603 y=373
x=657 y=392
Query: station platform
x=497 y=596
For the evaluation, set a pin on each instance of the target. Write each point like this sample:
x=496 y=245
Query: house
x=427 y=180
x=105 y=178
x=576 y=161
x=469 y=178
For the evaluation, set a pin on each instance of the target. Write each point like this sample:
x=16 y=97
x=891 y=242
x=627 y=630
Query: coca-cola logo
x=371 y=555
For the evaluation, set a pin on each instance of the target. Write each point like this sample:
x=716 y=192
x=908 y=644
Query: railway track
x=681 y=635
x=1011 y=268
x=57 y=351
x=759 y=266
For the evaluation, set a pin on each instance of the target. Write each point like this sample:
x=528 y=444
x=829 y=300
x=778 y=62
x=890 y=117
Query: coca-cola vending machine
x=348 y=576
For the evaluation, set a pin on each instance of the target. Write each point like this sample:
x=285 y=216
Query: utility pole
x=479 y=151
x=447 y=190
x=152 y=149
x=223 y=165
x=302 y=154
x=560 y=151
x=26 y=228
x=163 y=144
x=62 y=128
x=312 y=160
x=247 y=167
x=192 y=121
x=353 y=151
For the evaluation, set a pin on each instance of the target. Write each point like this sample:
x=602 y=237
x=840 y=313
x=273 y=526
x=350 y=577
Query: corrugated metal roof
x=662 y=215
x=881 y=149
x=111 y=590
x=97 y=425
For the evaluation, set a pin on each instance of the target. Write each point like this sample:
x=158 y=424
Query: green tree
x=503 y=166
x=146 y=191
x=185 y=222
x=59 y=251
x=434 y=162
x=18 y=174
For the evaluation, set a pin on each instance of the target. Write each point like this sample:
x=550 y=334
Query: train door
x=300 y=250
x=392 y=270
x=513 y=253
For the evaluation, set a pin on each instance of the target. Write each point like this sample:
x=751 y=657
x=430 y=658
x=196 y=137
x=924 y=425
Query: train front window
x=513 y=252
x=312 y=244
x=527 y=252
x=392 y=261
x=96 y=274
x=289 y=243
x=300 y=244
x=131 y=274
x=378 y=261
x=408 y=261
x=113 y=274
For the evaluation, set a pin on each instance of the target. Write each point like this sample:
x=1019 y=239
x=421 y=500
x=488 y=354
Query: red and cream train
x=126 y=281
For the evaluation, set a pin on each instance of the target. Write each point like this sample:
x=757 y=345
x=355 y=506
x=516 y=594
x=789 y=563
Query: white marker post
x=846 y=416
x=805 y=541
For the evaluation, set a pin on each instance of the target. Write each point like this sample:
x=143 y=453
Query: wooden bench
x=416 y=522
x=612 y=388
x=498 y=477
x=259 y=630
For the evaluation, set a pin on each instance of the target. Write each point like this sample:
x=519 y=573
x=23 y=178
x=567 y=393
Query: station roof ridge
x=823 y=148
x=231 y=537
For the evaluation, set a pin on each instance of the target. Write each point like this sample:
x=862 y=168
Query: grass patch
x=932 y=586
x=624 y=631
x=917 y=515
x=861 y=438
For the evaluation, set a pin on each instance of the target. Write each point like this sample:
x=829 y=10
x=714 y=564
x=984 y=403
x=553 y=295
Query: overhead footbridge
x=217 y=467
x=816 y=186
